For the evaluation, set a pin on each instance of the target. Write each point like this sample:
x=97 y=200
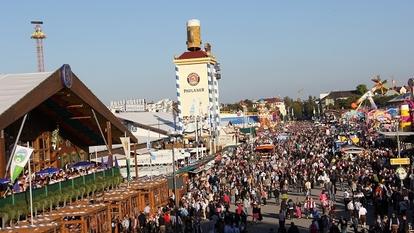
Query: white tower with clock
x=197 y=76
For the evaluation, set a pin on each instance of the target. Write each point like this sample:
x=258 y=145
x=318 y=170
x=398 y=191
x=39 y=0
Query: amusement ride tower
x=38 y=35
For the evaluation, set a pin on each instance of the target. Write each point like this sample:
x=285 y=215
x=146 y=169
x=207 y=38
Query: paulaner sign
x=194 y=90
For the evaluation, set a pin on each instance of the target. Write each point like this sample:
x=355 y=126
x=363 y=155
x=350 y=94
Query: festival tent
x=52 y=100
x=104 y=159
x=162 y=157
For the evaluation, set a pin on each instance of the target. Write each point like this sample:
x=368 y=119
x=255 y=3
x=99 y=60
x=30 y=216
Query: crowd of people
x=41 y=179
x=308 y=162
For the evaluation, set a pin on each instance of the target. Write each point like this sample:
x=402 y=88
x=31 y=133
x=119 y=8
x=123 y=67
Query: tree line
x=311 y=107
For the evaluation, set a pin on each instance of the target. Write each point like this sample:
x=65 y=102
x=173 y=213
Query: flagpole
x=103 y=137
x=136 y=162
x=128 y=155
x=30 y=190
x=148 y=149
x=96 y=156
x=15 y=144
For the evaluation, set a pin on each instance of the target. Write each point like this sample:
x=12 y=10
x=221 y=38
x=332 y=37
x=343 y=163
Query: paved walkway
x=271 y=218
x=270 y=214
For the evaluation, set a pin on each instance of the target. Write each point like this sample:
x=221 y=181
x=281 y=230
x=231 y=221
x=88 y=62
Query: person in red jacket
x=226 y=200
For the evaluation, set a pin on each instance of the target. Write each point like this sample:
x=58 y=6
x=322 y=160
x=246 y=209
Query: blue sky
x=124 y=49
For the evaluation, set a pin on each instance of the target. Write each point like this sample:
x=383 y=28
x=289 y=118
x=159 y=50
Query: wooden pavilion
x=152 y=192
x=42 y=103
x=84 y=218
x=122 y=202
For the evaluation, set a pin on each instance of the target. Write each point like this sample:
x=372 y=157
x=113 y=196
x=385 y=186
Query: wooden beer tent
x=151 y=192
x=53 y=100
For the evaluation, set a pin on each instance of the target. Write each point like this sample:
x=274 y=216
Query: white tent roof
x=161 y=120
x=14 y=87
x=162 y=157
x=105 y=158
x=93 y=149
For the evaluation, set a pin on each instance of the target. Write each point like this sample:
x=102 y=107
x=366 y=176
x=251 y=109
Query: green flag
x=20 y=157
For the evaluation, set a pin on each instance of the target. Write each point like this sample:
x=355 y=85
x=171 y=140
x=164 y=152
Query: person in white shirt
x=147 y=209
x=308 y=187
x=350 y=207
x=346 y=194
x=362 y=213
x=357 y=205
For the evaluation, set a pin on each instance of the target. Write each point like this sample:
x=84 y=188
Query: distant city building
x=128 y=105
x=164 y=105
x=273 y=103
x=141 y=105
x=333 y=96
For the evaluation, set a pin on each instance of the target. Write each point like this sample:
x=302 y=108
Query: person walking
x=362 y=214
x=308 y=188
x=276 y=193
x=161 y=223
x=394 y=223
x=282 y=219
x=293 y=228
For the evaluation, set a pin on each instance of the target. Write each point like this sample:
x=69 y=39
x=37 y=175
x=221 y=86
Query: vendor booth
x=152 y=192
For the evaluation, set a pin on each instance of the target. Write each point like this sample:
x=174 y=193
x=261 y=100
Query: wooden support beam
x=80 y=117
x=75 y=106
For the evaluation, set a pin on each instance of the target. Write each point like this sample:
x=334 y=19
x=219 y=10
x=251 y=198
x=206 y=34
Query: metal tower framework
x=38 y=35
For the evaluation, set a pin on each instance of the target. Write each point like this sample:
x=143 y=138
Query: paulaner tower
x=197 y=75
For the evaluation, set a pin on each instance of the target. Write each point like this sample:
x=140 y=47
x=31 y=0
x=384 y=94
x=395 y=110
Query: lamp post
x=401 y=173
x=173 y=137
x=398 y=135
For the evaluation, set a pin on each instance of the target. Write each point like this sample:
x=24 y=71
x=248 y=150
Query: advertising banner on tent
x=126 y=144
x=20 y=158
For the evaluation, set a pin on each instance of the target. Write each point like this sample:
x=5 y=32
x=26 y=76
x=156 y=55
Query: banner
x=153 y=156
x=148 y=144
x=20 y=158
x=126 y=144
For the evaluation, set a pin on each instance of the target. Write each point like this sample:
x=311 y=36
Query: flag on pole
x=116 y=162
x=148 y=144
x=153 y=156
x=126 y=144
x=20 y=158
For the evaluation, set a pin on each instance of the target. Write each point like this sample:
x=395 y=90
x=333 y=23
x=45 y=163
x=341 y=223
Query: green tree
x=298 y=109
x=288 y=101
x=308 y=107
x=361 y=89
x=382 y=100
